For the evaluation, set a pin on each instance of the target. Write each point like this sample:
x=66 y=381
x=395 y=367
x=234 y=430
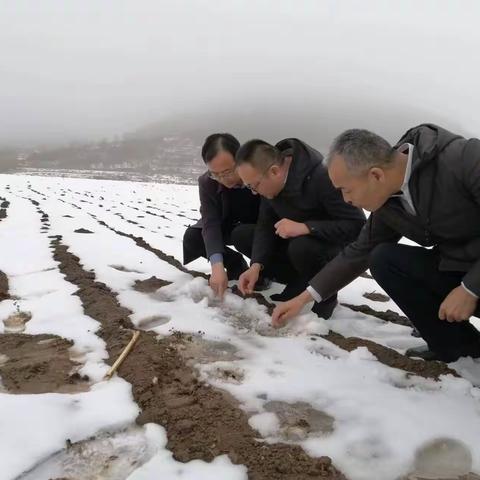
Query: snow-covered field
x=380 y=417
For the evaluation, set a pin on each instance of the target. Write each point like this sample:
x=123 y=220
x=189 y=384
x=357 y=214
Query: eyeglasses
x=222 y=175
x=254 y=188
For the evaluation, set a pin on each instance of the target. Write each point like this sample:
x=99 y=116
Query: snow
x=36 y=426
x=382 y=416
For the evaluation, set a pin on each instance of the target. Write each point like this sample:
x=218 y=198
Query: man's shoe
x=447 y=356
x=234 y=271
x=422 y=352
x=290 y=291
x=325 y=309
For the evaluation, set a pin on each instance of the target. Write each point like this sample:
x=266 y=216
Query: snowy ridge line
x=109 y=207
x=168 y=392
x=89 y=348
x=386 y=315
x=391 y=358
x=35 y=426
x=161 y=255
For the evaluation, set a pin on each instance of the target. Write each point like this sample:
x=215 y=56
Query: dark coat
x=219 y=216
x=445 y=189
x=308 y=197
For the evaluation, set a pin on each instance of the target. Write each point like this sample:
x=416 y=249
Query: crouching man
x=303 y=221
x=426 y=188
x=229 y=212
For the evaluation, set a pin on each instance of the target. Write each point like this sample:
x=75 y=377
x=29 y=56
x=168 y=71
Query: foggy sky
x=92 y=68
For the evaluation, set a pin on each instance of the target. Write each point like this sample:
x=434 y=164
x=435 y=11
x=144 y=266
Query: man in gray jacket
x=427 y=189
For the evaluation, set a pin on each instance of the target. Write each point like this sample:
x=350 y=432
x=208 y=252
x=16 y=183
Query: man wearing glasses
x=229 y=212
x=303 y=220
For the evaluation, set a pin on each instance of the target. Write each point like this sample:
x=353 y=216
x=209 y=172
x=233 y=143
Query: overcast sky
x=75 y=69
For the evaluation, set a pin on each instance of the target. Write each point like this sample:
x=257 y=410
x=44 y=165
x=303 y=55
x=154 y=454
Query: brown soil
x=388 y=316
x=3 y=208
x=26 y=364
x=150 y=285
x=4 y=295
x=430 y=369
x=201 y=422
x=376 y=297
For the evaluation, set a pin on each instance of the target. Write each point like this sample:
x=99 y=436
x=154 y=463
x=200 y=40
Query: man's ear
x=377 y=173
x=275 y=169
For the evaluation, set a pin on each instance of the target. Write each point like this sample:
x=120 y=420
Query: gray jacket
x=445 y=189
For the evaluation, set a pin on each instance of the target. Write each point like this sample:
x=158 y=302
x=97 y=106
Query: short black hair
x=259 y=154
x=219 y=142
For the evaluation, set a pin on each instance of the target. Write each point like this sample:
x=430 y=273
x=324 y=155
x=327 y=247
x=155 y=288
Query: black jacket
x=445 y=189
x=219 y=216
x=308 y=197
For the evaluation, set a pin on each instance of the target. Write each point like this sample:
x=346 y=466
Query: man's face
x=222 y=169
x=368 y=190
x=268 y=183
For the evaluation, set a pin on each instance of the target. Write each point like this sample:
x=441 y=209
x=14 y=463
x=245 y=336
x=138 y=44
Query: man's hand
x=286 y=228
x=286 y=311
x=458 y=306
x=218 y=279
x=248 y=279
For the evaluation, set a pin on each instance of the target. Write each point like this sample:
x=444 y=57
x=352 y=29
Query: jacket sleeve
x=471 y=181
x=353 y=260
x=346 y=220
x=264 y=238
x=211 y=219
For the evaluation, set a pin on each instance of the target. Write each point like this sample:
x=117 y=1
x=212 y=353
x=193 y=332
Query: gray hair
x=361 y=150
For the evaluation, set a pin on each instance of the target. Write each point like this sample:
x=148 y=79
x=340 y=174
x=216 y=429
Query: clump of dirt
x=257 y=296
x=376 y=297
x=3 y=208
x=201 y=422
x=4 y=295
x=82 y=230
x=388 y=356
x=150 y=285
x=28 y=365
x=388 y=315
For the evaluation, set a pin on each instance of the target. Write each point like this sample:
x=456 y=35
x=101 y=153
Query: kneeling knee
x=380 y=257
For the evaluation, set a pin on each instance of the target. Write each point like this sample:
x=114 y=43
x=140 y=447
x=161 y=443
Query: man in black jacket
x=229 y=213
x=303 y=220
x=425 y=188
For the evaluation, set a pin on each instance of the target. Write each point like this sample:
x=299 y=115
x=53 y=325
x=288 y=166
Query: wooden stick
x=123 y=355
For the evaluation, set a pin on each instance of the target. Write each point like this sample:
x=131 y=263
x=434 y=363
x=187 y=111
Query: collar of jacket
x=304 y=160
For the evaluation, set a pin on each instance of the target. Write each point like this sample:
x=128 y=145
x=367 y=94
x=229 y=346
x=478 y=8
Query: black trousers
x=234 y=263
x=411 y=277
x=294 y=260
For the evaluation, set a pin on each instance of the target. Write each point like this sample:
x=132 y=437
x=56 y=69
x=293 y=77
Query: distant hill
x=171 y=147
